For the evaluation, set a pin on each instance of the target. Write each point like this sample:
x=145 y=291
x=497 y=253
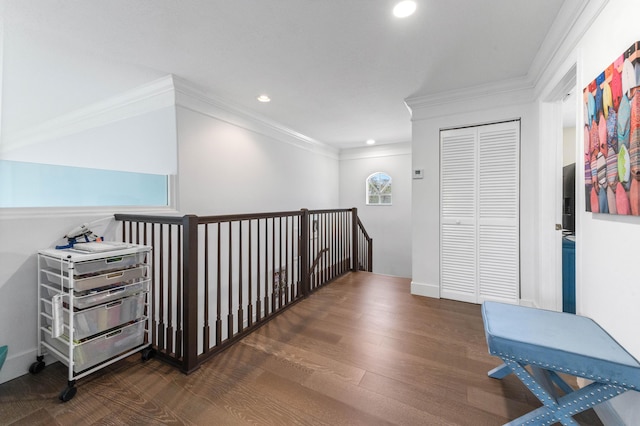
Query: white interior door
x=498 y=212
x=458 y=235
x=479 y=235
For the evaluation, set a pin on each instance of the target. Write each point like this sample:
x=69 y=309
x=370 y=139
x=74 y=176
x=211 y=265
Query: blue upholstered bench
x=550 y=342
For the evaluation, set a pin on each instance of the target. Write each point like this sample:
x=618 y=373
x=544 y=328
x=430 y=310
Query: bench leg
x=560 y=383
x=500 y=372
x=558 y=409
x=504 y=370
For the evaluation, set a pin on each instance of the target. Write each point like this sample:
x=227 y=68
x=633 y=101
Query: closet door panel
x=498 y=212
x=457 y=176
x=498 y=260
x=498 y=167
x=458 y=265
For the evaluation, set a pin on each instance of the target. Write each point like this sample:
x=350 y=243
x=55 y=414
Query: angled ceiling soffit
x=149 y=97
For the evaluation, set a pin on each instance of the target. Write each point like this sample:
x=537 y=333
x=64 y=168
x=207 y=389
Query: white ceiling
x=338 y=71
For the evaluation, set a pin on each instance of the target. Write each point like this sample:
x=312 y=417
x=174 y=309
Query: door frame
x=549 y=290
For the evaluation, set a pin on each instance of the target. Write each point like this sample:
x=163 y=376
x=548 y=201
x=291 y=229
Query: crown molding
x=556 y=37
x=149 y=97
x=504 y=93
x=197 y=99
x=573 y=21
x=376 y=151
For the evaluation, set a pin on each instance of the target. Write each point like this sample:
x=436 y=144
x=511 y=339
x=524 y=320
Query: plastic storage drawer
x=101 y=265
x=104 y=317
x=53 y=278
x=101 y=348
x=91 y=298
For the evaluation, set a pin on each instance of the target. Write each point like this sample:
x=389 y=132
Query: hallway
x=362 y=350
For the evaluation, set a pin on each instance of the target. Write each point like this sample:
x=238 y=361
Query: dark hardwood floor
x=362 y=351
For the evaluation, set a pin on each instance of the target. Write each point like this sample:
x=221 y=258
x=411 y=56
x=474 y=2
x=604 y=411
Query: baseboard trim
x=17 y=365
x=528 y=302
x=426 y=290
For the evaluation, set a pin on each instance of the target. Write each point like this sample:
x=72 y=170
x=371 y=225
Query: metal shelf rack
x=92 y=308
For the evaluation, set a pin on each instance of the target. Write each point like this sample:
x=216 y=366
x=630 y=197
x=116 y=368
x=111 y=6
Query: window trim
x=368 y=194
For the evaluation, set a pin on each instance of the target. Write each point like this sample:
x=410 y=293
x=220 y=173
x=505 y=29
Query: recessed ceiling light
x=404 y=8
x=264 y=98
x=370 y=141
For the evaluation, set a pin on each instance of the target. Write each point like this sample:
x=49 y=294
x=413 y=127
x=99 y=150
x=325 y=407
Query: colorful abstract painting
x=612 y=137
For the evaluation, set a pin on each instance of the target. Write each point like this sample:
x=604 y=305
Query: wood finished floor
x=362 y=351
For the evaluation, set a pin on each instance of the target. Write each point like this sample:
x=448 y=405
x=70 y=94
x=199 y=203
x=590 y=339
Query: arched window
x=379 y=189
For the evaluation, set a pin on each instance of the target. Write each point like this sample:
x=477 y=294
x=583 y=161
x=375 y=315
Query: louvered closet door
x=498 y=212
x=479 y=234
x=458 y=267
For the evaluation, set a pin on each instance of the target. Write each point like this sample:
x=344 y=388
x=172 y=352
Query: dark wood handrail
x=367 y=248
x=129 y=217
x=246 y=216
x=364 y=231
x=329 y=211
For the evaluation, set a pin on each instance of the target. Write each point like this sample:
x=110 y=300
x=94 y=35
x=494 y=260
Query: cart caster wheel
x=68 y=393
x=36 y=367
x=147 y=354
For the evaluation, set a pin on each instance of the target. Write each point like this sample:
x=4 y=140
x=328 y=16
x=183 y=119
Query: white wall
x=428 y=119
x=226 y=168
x=568 y=145
x=607 y=284
x=389 y=226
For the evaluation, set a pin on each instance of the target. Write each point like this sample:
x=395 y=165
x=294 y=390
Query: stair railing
x=215 y=279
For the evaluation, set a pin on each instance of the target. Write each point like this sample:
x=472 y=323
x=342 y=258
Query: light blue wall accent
x=45 y=185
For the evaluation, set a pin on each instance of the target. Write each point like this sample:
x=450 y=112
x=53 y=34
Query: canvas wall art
x=612 y=137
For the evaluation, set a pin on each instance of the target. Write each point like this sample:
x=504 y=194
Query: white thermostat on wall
x=418 y=173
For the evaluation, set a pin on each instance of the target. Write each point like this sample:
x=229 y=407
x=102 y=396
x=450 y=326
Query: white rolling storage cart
x=91 y=308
